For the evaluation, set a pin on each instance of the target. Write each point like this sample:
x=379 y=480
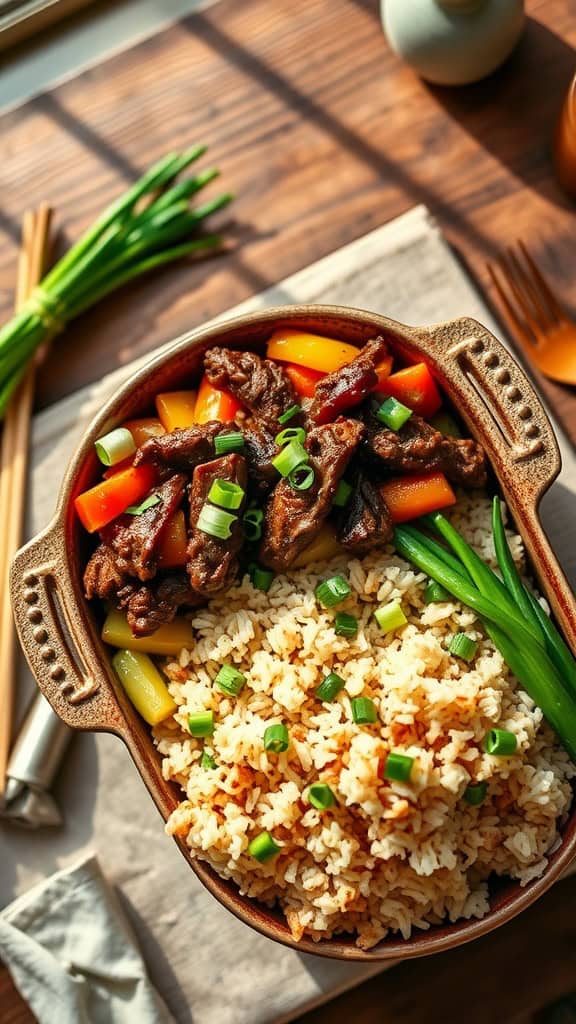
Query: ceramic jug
x=453 y=42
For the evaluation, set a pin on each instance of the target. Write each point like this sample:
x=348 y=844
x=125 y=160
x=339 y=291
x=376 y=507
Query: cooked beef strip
x=212 y=563
x=292 y=518
x=365 y=521
x=134 y=540
x=183 y=449
x=261 y=385
x=260 y=449
x=418 y=447
x=102 y=577
x=344 y=388
x=148 y=606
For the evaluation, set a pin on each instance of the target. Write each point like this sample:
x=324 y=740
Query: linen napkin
x=72 y=955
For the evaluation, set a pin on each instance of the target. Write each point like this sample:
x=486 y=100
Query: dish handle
x=55 y=640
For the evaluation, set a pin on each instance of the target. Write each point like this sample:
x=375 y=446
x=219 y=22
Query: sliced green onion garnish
x=263 y=847
x=475 y=793
x=390 y=617
x=215 y=522
x=393 y=414
x=226 y=443
x=150 y=502
x=260 y=578
x=201 y=723
x=289 y=414
x=500 y=743
x=345 y=624
x=462 y=646
x=363 y=711
x=290 y=434
x=276 y=739
x=435 y=593
x=332 y=591
x=230 y=680
x=398 y=767
x=301 y=478
x=342 y=496
x=207 y=762
x=252 y=521
x=115 y=446
x=320 y=796
x=293 y=455
x=226 y=494
x=329 y=687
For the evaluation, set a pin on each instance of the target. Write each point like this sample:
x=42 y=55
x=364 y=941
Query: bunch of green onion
x=527 y=639
x=151 y=224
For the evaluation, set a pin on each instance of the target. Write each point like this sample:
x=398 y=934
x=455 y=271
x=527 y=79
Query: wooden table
x=323 y=135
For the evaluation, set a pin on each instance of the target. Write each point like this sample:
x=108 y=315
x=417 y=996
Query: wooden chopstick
x=13 y=472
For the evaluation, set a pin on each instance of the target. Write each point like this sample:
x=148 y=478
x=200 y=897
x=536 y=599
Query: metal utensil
x=33 y=764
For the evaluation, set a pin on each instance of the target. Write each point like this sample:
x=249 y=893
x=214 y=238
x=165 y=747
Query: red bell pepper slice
x=415 y=387
x=109 y=498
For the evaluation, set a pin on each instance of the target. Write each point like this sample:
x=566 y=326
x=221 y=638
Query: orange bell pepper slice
x=416 y=388
x=172 y=549
x=142 y=430
x=176 y=409
x=213 y=404
x=409 y=497
x=304 y=380
x=383 y=371
x=309 y=350
x=118 y=468
x=109 y=498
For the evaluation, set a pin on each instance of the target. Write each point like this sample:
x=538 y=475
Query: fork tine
x=527 y=288
x=545 y=290
x=523 y=332
x=507 y=270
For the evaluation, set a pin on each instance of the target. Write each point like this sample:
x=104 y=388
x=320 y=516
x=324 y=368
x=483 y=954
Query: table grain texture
x=323 y=135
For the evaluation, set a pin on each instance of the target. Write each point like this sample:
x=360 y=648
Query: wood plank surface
x=323 y=135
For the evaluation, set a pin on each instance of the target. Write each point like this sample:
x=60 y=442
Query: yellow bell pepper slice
x=144 y=686
x=321 y=549
x=310 y=350
x=168 y=639
x=176 y=409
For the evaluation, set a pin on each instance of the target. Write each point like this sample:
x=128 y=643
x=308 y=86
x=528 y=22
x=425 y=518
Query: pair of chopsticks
x=13 y=471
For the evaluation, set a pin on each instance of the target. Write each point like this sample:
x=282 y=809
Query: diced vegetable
x=398 y=767
x=289 y=414
x=330 y=687
x=310 y=350
x=324 y=546
x=109 y=498
x=302 y=478
x=172 y=548
x=415 y=387
x=176 y=409
x=144 y=685
x=214 y=404
x=263 y=847
x=216 y=522
x=363 y=711
x=390 y=617
x=293 y=455
x=500 y=743
x=118 y=468
x=142 y=430
x=261 y=578
x=409 y=497
x=143 y=506
x=304 y=380
x=435 y=593
x=207 y=762
x=168 y=639
x=332 y=591
x=226 y=443
x=201 y=723
x=393 y=414
x=475 y=794
x=321 y=796
x=462 y=646
x=115 y=447
x=252 y=522
x=290 y=434
x=383 y=371
x=276 y=738
x=446 y=424
x=230 y=680
x=342 y=495
x=226 y=494
x=345 y=625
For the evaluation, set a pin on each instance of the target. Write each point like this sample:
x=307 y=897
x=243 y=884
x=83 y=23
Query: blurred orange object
x=565 y=142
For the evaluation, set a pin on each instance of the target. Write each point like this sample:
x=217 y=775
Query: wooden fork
x=540 y=324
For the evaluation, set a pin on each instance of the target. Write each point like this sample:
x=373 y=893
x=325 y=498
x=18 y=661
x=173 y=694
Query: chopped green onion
x=276 y=739
x=329 y=687
x=252 y=522
x=510 y=574
x=215 y=522
x=292 y=456
x=289 y=414
x=435 y=593
x=500 y=743
x=115 y=446
x=260 y=578
x=230 y=680
x=342 y=496
x=301 y=478
x=332 y=591
x=290 y=434
x=363 y=711
x=475 y=793
x=462 y=646
x=226 y=494
x=398 y=767
x=150 y=502
x=226 y=443
x=263 y=847
x=445 y=424
x=390 y=617
x=393 y=414
x=345 y=624
x=201 y=723
x=320 y=796
x=207 y=762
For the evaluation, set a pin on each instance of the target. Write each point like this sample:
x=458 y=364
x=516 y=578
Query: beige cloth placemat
x=209 y=968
